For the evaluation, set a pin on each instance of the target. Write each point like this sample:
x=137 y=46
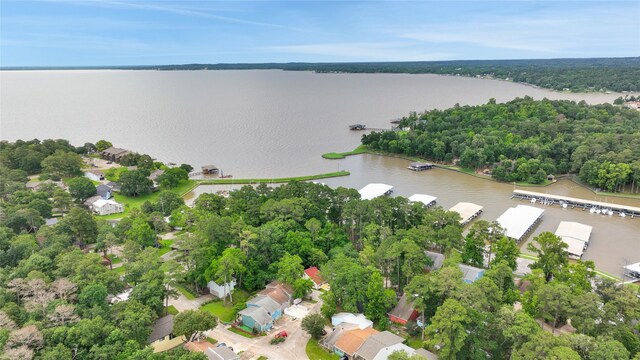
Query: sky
x=122 y=32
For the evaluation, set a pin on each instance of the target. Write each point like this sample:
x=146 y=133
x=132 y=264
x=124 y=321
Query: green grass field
x=315 y=352
x=226 y=313
x=335 y=156
x=172 y=310
x=165 y=247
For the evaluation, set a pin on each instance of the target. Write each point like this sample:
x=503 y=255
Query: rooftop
x=377 y=342
x=574 y=230
x=162 y=327
x=349 y=318
x=466 y=210
x=518 y=220
x=425 y=199
x=404 y=309
x=438 y=259
x=221 y=353
x=352 y=340
x=372 y=191
x=470 y=273
x=265 y=302
x=314 y=274
x=258 y=314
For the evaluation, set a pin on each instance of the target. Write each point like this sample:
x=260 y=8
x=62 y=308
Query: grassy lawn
x=275 y=180
x=415 y=342
x=315 y=352
x=172 y=310
x=186 y=293
x=334 y=156
x=120 y=270
x=135 y=202
x=234 y=330
x=211 y=340
x=226 y=313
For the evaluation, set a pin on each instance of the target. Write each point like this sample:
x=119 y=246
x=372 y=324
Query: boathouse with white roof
x=519 y=221
x=372 y=191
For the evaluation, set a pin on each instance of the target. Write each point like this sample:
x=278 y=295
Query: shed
x=470 y=273
x=372 y=191
x=427 y=200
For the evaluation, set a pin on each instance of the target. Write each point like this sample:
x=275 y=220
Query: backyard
x=227 y=312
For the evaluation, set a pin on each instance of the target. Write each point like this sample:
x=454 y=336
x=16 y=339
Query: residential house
x=267 y=303
x=107 y=207
x=384 y=353
x=376 y=342
x=470 y=273
x=104 y=191
x=95 y=175
x=257 y=318
x=162 y=338
x=314 y=275
x=352 y=340
x=358 y=319
x=223 y=290
x=113 y=154
x=221 y=353
x=403 y=312
x=113 y=185
x=280 y=293
x=329 y=341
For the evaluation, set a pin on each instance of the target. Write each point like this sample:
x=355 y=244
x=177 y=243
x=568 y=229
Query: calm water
x=276 y=124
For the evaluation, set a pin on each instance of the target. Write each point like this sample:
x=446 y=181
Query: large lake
x=278 y=123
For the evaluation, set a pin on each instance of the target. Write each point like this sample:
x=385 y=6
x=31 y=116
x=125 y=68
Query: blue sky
x=121 y=32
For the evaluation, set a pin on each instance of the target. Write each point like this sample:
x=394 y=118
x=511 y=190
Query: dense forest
x=526 y=140
x=577 y=75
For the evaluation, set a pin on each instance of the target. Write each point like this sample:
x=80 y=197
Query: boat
x=622 y=214
x=609 y=212
x=564 y=206
x=533 y=200
x=592 y=210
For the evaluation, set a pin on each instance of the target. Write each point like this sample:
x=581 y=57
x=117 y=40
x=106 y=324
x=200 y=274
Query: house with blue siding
x=267 y=303
x=470 y=273
x=256 y=318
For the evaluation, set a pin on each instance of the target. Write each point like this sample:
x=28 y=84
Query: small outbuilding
x=95 y=175
x=403 y=312
x=223 y=290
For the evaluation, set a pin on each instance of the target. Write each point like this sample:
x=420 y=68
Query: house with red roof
x=314 y=275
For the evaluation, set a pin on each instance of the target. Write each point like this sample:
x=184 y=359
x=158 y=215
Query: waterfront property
x=209 y=169
x=114 y=154
x=566 y=201
x=420 y=166
x=576 y=236
x=468 y=211
x=519 y=221
x=427 y=200
x=372 y=191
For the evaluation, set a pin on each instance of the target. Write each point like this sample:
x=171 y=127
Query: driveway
x=182 y=303
x=292 y=349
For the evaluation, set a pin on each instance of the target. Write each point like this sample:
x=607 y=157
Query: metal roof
x=466 y=210
x=574 y=230
x=425 y=199
x=372 y=191
x=516 y=221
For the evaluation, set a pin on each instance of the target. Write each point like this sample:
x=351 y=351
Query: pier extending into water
x=593 y=206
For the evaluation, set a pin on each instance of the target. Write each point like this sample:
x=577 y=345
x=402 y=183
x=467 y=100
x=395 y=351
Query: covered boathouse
x=519 y=221
x=420 y=166
x=372 y=191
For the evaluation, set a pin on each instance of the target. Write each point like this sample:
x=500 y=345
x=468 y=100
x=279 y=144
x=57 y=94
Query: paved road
x=292 y=349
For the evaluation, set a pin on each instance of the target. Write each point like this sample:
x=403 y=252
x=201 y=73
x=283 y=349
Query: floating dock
x=593 y=206
x=372 y=191
x=427 y=200
x=468 y=211
x=519 y=221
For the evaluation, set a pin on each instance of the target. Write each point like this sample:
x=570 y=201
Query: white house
x=220 y=290
x=95 y=175
x=106 y=207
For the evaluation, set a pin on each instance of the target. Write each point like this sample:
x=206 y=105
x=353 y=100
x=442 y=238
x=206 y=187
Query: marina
x=594 y=207
x=519 y=221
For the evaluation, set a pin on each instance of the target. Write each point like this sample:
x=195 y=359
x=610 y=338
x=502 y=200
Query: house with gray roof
x=375 y=343
x=437 y=258
x=104 y=191
x=257 y=318
x=221 y=353
x=267 y=303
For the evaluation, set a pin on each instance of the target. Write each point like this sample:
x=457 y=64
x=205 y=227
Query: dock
x=597 y=207
x=468 y=211
x=372 y=191
x=426 y=200
x=420 y=166
x=520 y=221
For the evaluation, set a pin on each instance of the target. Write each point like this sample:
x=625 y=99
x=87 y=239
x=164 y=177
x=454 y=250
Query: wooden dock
x=593 y=206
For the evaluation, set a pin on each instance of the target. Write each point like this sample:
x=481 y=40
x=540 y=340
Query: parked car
x=282 y=334
x=221 y=345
